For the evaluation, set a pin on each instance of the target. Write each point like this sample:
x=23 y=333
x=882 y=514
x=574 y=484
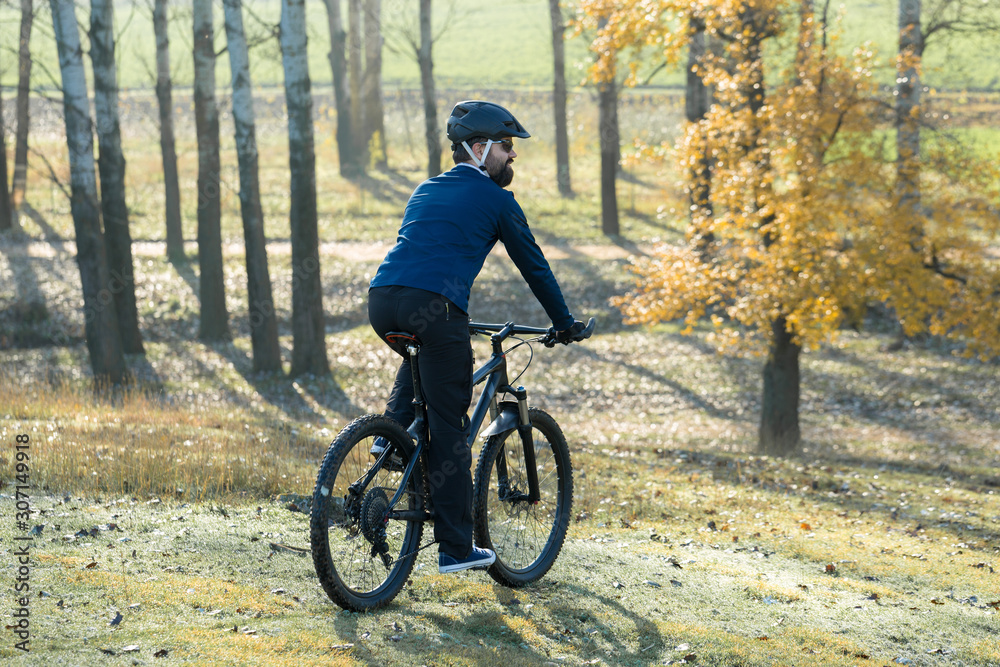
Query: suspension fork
x=527 y=442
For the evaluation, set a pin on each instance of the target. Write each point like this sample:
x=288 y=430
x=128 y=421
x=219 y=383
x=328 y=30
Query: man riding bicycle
x=450 y=224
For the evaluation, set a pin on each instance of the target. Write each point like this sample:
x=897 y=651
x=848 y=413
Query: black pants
x=446 y=380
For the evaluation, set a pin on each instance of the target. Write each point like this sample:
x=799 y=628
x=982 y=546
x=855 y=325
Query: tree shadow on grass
x=849 y=494
x=48 y=231
x=297 y=398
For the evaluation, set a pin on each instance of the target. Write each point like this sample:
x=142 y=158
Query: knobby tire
x=343 y=532
x=526 y=538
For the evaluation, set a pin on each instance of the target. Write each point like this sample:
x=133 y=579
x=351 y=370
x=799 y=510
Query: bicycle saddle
x=399 y=340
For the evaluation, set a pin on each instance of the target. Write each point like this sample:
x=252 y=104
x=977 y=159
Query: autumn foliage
x=804 y=232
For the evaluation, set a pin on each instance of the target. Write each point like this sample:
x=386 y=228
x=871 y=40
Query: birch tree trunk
x=911 y=49
x=214 y=324
x=168 y=151
x=308 y=327
x=22 y=107
x=111 y=165
x=559 y=99
x=5 y=211
x=101 y=320
x=347 y=155
x=426 y=64
x=263 y=320
x=373 y=108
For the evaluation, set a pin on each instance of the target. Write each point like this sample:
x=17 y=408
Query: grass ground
x=170 y=507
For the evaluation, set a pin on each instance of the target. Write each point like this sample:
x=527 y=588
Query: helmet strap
x=486 y=151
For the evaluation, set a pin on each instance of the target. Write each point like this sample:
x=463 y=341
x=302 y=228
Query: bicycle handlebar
x=510 y=329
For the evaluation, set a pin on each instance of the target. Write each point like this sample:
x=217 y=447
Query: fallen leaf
x=830 y=567
x=162 y=653
x=936 y=601
x=91 y=565
x=763 y=638
x=805 y=526
x=690 y=657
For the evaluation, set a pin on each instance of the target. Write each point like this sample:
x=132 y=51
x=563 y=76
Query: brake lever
x=549 y=340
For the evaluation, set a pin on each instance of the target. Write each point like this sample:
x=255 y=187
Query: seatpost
x=416 y=429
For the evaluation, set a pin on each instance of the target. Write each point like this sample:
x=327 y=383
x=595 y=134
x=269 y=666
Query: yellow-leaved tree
x=795 y=222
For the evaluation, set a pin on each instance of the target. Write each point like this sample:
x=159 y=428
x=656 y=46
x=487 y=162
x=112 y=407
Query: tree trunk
x=911 y=48
x=610 y=155
x=349 y=164
x=5 y=211
x=263 y=319
x=426 y=64
x=111 y=165
x=354 y=49
x=559 y=99
x=23 y=105
x=101 y=320
x=779 y=419
x=696 y=104
x=214 y=323
x=373 y=111
x=168 y=152
x=308 y=328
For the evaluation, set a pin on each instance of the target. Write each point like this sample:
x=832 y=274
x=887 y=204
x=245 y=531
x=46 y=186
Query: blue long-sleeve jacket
x=450 y=224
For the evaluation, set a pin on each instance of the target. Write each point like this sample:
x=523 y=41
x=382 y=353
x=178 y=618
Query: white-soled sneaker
x=479 y=559
x=394 y=462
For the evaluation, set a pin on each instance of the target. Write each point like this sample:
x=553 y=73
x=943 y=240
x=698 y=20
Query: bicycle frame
x=494 y=373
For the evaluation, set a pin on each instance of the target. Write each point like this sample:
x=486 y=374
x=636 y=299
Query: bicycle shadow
x=563 y=613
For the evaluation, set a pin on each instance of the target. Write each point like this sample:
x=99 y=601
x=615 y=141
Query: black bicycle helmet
x=475 y=118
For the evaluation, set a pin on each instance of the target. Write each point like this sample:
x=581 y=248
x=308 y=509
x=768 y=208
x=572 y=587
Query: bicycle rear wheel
x=526 y=537
x=361 y=560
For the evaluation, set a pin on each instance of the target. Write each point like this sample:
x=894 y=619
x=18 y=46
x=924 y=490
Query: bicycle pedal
x=394 y=462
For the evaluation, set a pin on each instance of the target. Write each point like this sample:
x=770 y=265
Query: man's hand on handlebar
x=574 y=334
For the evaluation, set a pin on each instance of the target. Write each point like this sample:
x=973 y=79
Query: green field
x=480 y=46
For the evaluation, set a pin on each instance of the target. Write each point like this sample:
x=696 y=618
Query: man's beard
x=499 y=170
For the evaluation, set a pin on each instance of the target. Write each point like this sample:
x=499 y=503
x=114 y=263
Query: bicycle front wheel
x=526 y=537
x=362 y=560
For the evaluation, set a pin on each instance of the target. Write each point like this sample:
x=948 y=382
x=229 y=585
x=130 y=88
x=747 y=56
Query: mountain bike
x=368 y=510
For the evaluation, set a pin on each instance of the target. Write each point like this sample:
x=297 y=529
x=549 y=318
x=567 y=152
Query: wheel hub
x=373 y=509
